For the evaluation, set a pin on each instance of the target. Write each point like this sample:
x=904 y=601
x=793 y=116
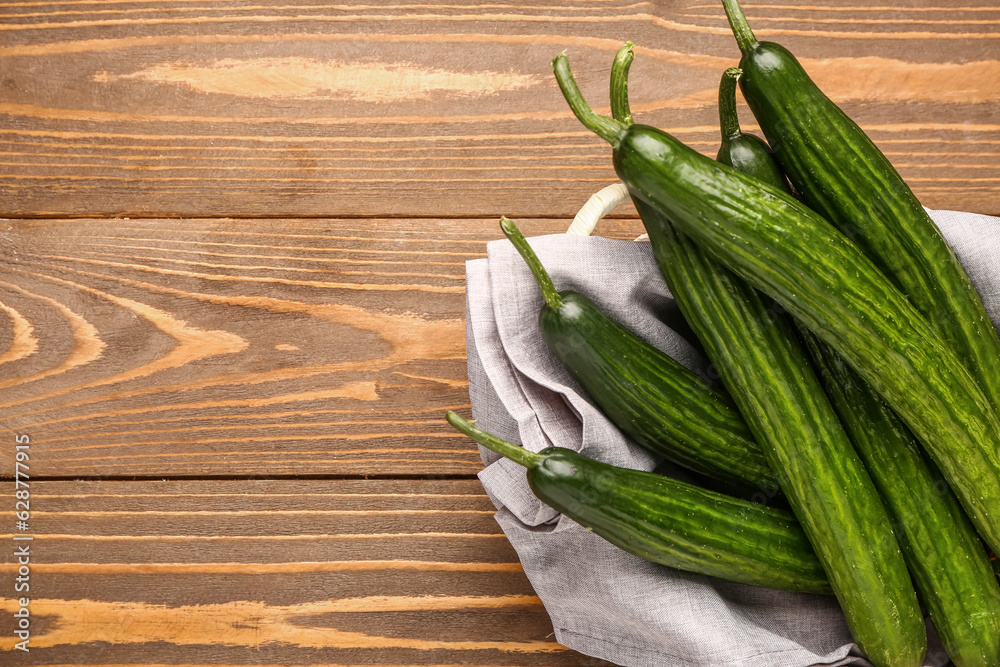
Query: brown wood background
x=232 y=284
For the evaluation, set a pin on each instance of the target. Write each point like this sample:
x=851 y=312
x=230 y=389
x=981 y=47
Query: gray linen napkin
x=602 y=601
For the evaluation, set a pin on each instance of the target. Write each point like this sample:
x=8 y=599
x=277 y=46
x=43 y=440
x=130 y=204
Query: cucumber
x=840 y=173
x=667 y=521
x=649 y=396
x=826 y=282
x=743 y=152
x=950 y=569
x=949 y=565
x=754 y=347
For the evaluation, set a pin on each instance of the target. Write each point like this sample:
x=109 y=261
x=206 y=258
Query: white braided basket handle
x=599 y=205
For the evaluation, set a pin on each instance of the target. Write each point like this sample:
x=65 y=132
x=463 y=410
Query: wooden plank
x=181 y=108
x=240 y=347
x=303 y=572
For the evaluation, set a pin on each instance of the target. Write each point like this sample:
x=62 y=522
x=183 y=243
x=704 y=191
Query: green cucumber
x=648 y=395
x=840 y=173
x=950 y=569
x=667 y=521
x=756 y=352
x=826 y=282
x=744 y=152
x=949 y=565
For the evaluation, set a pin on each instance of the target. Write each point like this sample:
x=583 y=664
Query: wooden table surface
x=232 y=286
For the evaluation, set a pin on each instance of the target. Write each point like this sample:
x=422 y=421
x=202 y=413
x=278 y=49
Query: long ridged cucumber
x=649 y=396
x=826 y=282
x=754 y=347
x=839 y=172
x=744 y=152
x=943 y=552
x=950 y=569
x=667 y=521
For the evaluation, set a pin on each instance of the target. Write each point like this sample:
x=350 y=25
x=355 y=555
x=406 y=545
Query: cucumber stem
x=606 y=128
x=549 y=291
x=738 y=22
x=620 y=110
x=502 y=447
x=729 y=121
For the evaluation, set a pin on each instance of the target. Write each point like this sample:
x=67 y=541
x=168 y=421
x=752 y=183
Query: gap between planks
x=248 y=478
x=330 y=216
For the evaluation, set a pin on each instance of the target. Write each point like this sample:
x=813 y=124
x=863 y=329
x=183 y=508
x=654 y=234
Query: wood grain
x=182 y=108
x=240 y=347
x=342 y=573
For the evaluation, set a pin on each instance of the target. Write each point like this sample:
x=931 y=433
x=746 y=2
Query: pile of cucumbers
x=861 y=372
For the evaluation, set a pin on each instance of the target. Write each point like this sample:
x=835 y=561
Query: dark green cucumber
x=744 y=152
x=948 y=562
x=754 y=347
x=950 y=569
x=649 y=396
x=841 y=174
x=667 y=521
x=826 y=282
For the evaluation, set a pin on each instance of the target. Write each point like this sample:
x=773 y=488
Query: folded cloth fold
x=604 y=602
